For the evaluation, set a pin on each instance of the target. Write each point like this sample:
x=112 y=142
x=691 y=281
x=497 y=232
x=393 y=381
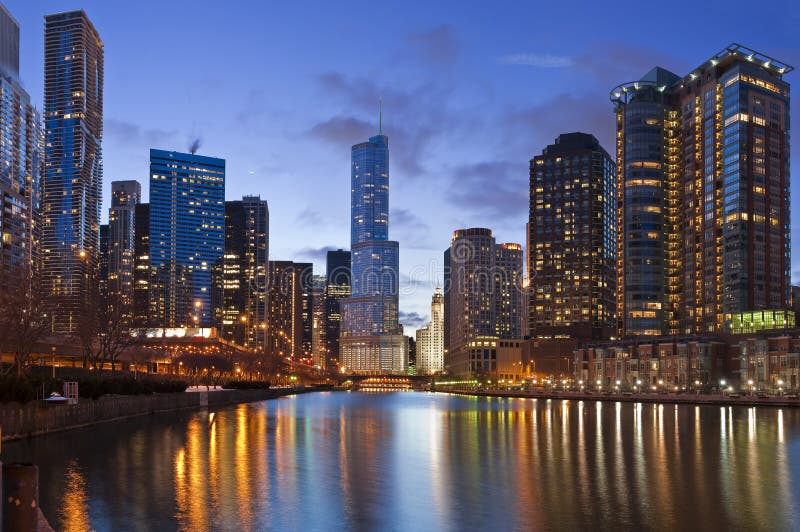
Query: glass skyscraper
x=19 y=157
x=370 y=314
x=703 y=194
x=187 y=236
x=73 y=163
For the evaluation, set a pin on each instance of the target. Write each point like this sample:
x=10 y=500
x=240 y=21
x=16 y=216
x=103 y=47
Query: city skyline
x=532 y=88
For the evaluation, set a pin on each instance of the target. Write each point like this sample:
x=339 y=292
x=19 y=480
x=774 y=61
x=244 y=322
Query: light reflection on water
x=425 y=462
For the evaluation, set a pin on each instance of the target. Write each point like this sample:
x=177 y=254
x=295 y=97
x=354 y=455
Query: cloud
x=409 y=229
x=316 y=254
x=412 y=320
x=537 y=60
x=496 y=189
x=310 y=217
x=129 y=133
x=342 y=131
x=413 y=117
x=438 y=45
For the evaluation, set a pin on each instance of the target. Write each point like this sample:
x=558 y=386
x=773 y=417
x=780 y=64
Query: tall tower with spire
x=371 y=340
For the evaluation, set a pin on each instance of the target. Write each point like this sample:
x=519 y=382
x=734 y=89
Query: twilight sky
x=471 y=91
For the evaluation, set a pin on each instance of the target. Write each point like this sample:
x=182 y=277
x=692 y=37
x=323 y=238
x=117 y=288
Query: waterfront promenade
x=666 y=398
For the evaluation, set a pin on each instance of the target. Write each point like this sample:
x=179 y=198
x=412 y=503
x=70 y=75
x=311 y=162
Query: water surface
x=421 y=461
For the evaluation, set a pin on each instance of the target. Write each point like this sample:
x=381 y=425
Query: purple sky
x=471 y=91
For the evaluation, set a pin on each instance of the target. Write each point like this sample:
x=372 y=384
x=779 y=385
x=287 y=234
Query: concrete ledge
x=686 y=399
x=19 y=421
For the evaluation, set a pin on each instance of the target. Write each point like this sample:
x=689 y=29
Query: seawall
x=20 y=421
x=687 y=399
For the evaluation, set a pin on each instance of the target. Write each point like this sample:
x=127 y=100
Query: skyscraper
x=572 y=240
x=370 y=331
x=319 y=345
x=125 y=195
x=187 y=236
x=243 y=310
x=480 y=305
x=19 y=157
x=703 y=194
x=141 y=266
x=73 y=162
x=285 y=324
x=337 y=288
x=430 y=339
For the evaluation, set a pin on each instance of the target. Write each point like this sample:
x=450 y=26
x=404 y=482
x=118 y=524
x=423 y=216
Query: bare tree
x=24 y=318
x=104 y=327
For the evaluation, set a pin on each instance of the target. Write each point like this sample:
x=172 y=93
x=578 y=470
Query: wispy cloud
x=413 y=320
x=537 y=60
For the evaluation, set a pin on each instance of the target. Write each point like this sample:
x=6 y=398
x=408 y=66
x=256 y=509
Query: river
x=423 y=461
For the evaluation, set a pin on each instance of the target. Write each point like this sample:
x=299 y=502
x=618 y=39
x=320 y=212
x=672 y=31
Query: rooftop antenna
x=380 y=116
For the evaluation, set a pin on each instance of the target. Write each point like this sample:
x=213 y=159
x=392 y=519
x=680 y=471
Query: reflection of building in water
x=75 y=506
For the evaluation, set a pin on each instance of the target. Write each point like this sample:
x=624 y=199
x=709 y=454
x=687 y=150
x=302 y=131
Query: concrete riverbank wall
x=687 y=399
x=19 y=421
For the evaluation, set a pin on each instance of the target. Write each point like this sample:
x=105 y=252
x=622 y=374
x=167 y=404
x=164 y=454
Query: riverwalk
x=668 y=398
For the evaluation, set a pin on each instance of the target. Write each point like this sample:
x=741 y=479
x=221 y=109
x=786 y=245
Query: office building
x=572 y=241
x=370 y=331
x=73 y=163
x=19 y=159
x=187 y=236
x=125 y=195
x=703 y=194
x=429 y=346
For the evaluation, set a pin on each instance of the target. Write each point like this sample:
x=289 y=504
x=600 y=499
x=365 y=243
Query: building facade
x=572 y=241
x=243 y=289
x=125 y=195
x=73 y=163
x=141 y=265
x=19 y=159
x=319 y=344
x=187 y=236
x=370 y=329
x=337 y=287
x=703 y=194
x=429 y=359
x=285 y=323
x=479 y=278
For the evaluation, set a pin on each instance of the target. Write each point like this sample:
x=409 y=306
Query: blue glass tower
x=73 y=163
x=187 y=236
x=371 y=340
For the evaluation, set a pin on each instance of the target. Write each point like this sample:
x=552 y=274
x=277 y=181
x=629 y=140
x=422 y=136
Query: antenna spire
x=380 y=116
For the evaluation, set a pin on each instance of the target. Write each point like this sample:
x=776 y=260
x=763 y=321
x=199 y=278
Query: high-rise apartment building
x=125 y=195
x=703 y=194
x=19 y=158
x=430 y=339
x=285 y=324
x=242 y=309
x=319 y=345
x=73 y=162
x=479 y=308
x=187 y=236
x=572 y=241
x=337 y=287
x=370 y=330
x=141 y=265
